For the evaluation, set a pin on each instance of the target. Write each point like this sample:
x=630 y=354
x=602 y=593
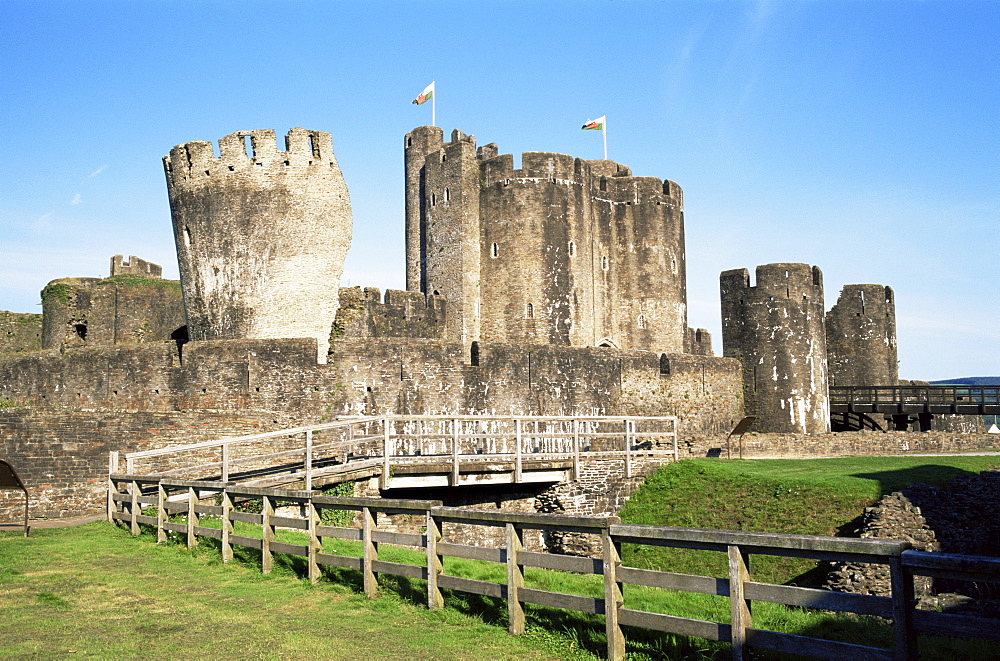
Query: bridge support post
x=455 y=441
x=515 y=580
x=308 y=460
x=518 y=451
x=576 y=450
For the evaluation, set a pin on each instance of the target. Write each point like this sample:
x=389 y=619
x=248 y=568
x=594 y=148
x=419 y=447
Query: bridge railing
x=974 y=400
x=378 y=443
x=138 y=500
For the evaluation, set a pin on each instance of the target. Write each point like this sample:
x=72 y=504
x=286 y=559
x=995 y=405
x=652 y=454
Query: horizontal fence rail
x=133 y=500
x=969 y=400
x=451 y=445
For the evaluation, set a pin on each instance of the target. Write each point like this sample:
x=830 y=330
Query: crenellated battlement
x=775 y=281
x=250 y=152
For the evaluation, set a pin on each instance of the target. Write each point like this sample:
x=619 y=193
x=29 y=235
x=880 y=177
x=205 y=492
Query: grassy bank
x=808 y=497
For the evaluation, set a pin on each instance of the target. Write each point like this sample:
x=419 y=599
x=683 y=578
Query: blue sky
x=862 y=137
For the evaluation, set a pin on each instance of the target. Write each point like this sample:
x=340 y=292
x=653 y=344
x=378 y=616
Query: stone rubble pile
x=963 y=518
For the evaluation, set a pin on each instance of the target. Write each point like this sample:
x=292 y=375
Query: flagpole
x=604 y=130
x=434 y=97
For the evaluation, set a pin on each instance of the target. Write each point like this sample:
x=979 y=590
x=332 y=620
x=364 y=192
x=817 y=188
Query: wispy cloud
x=97 y=172
x=76 y=199
x=42 y=222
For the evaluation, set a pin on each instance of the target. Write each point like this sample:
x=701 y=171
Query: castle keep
x=562 y=251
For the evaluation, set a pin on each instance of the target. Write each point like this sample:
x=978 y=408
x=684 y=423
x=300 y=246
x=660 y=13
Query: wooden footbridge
x=414 y=451
x=897 y=400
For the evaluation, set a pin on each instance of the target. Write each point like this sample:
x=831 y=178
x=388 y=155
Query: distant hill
x=970 y=381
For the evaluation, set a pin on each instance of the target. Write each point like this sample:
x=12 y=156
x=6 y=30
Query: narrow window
x=248 y=146
x=474 y=354
x=495 y=251
x=664 y=365
x=529 y=311
x=572 y=249
x=434 y=199
x=187 y=237
x=604 y=262
x=604 y=183
x=447 y=195
x=81 y=330
x=641 y=321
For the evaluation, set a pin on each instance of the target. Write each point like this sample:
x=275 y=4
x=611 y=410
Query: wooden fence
x=379 y=444
x=130 y=494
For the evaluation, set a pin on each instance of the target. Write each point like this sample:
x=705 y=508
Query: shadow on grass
x=930 y=474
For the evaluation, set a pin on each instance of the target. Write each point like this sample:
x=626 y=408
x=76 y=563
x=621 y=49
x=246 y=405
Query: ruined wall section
x=363 y=313
x=861 y=337
x=135 y=266
x=776 y=329
x=261 y=234
x=20 y=332
x=122 y=309
x=698 y=341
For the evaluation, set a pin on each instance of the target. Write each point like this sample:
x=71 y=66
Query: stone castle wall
x=776 y=330
x=261 y=234
x=363 y=313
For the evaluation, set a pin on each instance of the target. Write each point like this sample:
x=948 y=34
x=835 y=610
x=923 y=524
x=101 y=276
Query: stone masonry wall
x=20 y=332
x=62 y=455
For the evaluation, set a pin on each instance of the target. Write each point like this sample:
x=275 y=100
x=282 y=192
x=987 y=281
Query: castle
x=557 y=288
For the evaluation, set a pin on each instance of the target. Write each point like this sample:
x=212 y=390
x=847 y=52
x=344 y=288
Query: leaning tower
x=261 y=235
x=776 y=330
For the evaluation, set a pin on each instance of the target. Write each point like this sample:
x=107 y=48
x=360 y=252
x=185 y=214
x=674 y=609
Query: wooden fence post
x=192 y=539
x=134 y=507
x=515 y=580
x=227 y=526
x=905 y=638
x=161 y=513
x=370 y=554
x=739 y=606
x=315 y=542
x=267 y=535
x=112 y=487
x=613 y=598
x=435 y=563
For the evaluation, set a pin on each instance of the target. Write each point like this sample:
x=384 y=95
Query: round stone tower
x=861 y=337
x=261 y=235
x=776 y=330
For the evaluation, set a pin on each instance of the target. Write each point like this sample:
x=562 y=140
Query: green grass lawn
x=96 y=590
